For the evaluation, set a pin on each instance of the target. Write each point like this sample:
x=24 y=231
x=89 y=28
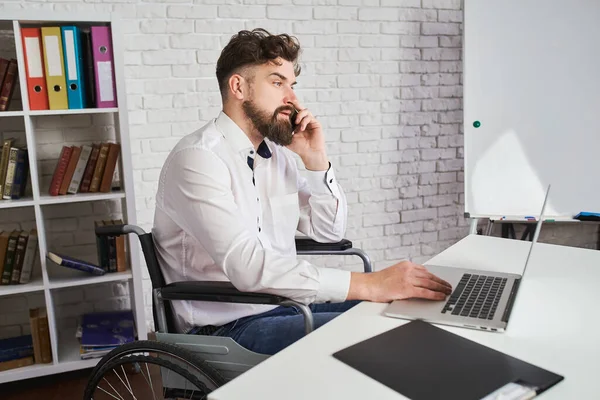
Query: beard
x=277 y=130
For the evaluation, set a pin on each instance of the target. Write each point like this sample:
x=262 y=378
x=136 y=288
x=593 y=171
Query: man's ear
x=237 y=86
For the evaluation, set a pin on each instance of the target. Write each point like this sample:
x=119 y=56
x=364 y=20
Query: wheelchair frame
x=222 y=353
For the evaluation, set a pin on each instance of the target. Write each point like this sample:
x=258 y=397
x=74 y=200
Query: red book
x=8 y=85
x=60 y=170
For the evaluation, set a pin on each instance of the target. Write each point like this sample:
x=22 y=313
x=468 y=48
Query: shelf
x=72 y=112
x=26 y=202
x=59 y=112
x=11 y=113
x=56 y=283
x=33 y=286
x=68 y=351
x=27 y=372
x=69 y=363
x=79 y=197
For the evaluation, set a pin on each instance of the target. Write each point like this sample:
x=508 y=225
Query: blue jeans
x=274 y=330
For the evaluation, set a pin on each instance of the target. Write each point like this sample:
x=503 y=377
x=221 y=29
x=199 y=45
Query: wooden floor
x=67 y=386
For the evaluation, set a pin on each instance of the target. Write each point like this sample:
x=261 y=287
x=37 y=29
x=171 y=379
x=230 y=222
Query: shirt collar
x=234 y=135
x=238 y=140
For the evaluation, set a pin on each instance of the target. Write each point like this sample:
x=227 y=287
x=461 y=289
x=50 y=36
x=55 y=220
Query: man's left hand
x=308 y=140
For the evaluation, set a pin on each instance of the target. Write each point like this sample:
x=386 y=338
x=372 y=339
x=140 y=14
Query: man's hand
x=400 y=281
x=308 y=140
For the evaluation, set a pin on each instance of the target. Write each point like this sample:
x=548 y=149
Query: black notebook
x=423 y=362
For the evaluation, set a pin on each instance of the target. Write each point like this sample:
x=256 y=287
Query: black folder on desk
x=423 y=362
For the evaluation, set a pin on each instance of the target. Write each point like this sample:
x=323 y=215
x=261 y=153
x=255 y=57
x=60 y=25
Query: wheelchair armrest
x=216 y=291
x=307 y=244
x=225 y=292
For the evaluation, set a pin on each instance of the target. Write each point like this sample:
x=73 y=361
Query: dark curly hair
x=255 y=47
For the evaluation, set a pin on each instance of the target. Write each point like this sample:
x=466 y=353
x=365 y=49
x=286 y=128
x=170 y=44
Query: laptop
x=480 y=300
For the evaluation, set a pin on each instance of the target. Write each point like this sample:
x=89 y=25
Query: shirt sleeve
x=323 y=206
x=198 y=197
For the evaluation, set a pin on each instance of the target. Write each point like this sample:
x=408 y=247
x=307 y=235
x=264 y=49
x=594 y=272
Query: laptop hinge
x=511 y=300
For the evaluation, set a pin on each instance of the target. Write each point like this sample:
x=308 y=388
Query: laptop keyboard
x=476 y=296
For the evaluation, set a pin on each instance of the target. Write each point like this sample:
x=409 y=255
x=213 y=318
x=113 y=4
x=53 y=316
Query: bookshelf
x=50 y=279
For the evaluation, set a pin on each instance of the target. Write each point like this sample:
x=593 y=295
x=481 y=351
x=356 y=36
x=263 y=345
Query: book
x=109 y=169
x=16 y=363
x=10 y=257
x=86 y=180
x=70 y=170
x=4 y=161
x=10 y=173
x=3 y=67
x=102 y=248
x=75 y=263
x=40 y=333
x=86 y=151
x=3 y=249
x=120 y=244
x=99 y=168
x=19 y=257
x=112 y=249
x=16 y=347
x=60 y=170
x=8 y=85
x=21 y=173
x=31 y=255
x=103 y=329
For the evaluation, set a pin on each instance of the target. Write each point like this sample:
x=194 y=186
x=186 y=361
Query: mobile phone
x=293 y=116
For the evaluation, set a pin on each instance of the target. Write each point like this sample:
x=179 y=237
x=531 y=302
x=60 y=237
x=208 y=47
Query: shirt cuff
x=334 y=285
x=323 y=182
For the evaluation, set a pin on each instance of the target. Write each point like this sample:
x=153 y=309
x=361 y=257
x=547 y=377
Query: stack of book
x=18 y=252
x=112 y=256
x=14 y=170
x=21 y=351
x=8 y=81
x=100 y=332
x=16 y=352
x=111 y=249
x=85 y=169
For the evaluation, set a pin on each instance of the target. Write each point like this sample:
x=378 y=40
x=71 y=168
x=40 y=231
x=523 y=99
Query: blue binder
x=73 y=66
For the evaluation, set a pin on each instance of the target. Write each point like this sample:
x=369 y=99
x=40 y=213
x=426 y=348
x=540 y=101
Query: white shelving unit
x=65 y=347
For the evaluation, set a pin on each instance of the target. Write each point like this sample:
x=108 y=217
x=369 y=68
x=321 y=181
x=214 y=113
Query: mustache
x=284 y=108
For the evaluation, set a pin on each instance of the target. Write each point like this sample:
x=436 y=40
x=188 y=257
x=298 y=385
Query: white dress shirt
x=217 y=219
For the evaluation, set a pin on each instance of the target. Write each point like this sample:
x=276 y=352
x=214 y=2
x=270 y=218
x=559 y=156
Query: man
x=230 y=199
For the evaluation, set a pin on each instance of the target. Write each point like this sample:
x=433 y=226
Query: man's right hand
x=400 y=281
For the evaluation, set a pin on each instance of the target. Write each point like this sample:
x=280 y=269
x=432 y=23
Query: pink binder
x=104 y=67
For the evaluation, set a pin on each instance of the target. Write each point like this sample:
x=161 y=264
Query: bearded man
x=231 y=198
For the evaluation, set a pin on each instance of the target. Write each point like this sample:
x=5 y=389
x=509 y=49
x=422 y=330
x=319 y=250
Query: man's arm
x=198 y=197
x=323 y=207
x=400 y=281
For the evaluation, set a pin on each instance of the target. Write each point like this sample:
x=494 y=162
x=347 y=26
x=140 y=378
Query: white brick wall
x=383 y=76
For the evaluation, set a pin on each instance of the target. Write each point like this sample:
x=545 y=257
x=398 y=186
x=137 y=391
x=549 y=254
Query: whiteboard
x=532 y=80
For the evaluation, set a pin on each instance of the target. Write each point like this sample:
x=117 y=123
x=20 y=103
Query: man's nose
x=290 y=97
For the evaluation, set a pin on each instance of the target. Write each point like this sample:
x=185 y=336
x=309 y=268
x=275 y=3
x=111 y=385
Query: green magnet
x=476 y=124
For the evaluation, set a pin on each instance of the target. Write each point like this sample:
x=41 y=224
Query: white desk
x=548 y=328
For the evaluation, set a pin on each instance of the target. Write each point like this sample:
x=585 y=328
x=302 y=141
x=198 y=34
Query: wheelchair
x=185 y=366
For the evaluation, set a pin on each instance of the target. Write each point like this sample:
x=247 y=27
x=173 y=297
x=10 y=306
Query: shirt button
x=331 y=181
x=251 y=151
x=257 y=199
x=259 y=229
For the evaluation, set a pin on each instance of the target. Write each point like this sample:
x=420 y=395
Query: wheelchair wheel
x=152 y=370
